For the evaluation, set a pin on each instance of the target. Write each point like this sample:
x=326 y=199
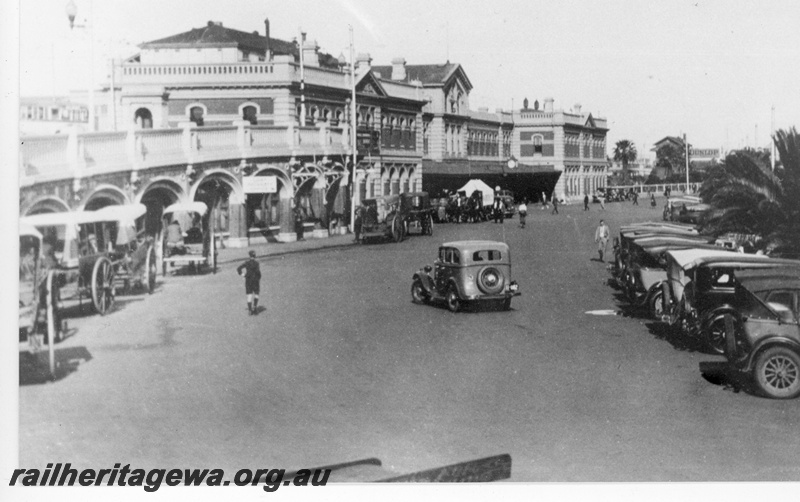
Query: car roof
x=686 y=258
x=655 y=240
x=662 y=247
x=469 y=245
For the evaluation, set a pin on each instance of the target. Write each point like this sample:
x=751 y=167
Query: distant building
x=569 y=144
x=52 y=115
x=699 y=158
x=639 y=168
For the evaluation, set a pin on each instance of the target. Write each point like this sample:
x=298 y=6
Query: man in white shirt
x=601 y=236
x=523 y=213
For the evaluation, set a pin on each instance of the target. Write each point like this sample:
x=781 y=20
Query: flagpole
x=353 y=183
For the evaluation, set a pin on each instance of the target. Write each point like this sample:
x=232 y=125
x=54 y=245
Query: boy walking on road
x=523 y=213
x=251 y=272
x=601 y=238
x=586 y=202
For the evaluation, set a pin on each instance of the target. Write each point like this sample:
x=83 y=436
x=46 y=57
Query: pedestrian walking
x=544 y=201
x=635 y=198
x=498 y=210
x=602 y=203
x=555 y=205
x=251 y=272
x=652 y=199
x=523 y=213
x=586 y=202
x=298 y=223
x=601 y=238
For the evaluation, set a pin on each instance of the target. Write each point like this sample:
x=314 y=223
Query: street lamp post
x=353 y=115
x=72 y=11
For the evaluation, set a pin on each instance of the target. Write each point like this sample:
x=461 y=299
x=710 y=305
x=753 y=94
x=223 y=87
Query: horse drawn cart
x=194 y=247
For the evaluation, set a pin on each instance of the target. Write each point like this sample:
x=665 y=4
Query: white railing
x=63 y=156
x=660 y=188
x=243 y=72
x=43 y=155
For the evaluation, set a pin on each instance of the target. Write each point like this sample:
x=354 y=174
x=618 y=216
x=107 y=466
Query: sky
x=710 y=69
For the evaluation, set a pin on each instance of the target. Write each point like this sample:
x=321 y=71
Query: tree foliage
x=625 y=152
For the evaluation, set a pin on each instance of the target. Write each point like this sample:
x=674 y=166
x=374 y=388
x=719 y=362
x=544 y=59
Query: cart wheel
x=151 y=269
x=103 y=285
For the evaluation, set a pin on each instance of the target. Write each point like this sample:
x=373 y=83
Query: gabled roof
x=216 y=35
x=368 y=84
x=590 y=121
x=428 y=74
x=675 y=140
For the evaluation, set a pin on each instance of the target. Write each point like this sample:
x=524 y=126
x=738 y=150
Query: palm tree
x=748 y=197
x=624 y=152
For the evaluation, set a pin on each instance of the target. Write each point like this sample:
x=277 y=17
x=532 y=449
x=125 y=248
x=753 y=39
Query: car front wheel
x=418 y=294
x=777 y=373
x=657 y=305
x=715 y=335
x=453 y=302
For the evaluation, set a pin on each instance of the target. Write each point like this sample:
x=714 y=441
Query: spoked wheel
x=777 y=373
x=151 y=270
x=418 y=294
x=103 y=285
x=716 y=335
x=657 y=305
x=452 y=300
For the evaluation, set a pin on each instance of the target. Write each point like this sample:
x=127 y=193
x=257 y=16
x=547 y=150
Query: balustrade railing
x=103 y=149
x=43 y=155
x=153 y=144
x=268 y=137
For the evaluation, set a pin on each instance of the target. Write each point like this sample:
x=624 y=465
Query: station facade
x=192 y=115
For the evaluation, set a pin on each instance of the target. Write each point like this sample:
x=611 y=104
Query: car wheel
x=715 y=334
x=418 y=294
x=777 y=373
x=657 y=305
x=491 y=280
x=452 y=300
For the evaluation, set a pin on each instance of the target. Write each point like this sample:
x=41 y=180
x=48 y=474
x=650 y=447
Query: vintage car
x=466 y=272
x=766 y=343
x=630 y=233
x=380 y=217
x=712 y=294
x=507 y=196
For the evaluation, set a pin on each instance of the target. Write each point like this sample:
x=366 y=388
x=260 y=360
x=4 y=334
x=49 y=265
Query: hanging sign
x=260 y=184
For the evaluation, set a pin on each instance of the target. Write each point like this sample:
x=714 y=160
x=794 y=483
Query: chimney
x=267 y=48
x=577 y=108
x=311 y=53
x=399 y=68
x=548 y=105
x=363 y=61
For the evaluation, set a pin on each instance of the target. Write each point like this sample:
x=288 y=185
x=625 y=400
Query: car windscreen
x=487 y=255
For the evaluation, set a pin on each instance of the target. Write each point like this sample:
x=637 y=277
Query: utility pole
x=113 y=94
x=686 y=146
x=772 y=140
x=302 y=80
x=354 y=187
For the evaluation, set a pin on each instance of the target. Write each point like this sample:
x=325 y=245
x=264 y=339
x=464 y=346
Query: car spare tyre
x=491 y=281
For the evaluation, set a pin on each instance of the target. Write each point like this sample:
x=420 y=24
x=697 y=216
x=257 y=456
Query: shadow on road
x=34 y=368
x=721 y=374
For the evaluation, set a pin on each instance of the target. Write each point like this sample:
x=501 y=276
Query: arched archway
x=395 y=186
x=157 y=195
x=102 y=196
x=270 y=210
x=44 y=204
x=143 y=118
x=220 y=191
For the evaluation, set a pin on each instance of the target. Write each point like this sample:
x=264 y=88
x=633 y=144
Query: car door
x=440 y=269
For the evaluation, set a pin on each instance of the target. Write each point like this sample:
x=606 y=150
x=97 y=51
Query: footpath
x=229 y=255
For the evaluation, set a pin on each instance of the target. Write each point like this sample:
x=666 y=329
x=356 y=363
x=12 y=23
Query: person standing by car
x=523 y=213
x=586 y=202
x=601 y=238
x=251 y=272
x=298 y=222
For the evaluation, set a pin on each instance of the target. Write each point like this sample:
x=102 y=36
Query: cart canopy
x=126 y=216
x=28 y=230
x=187 y=207
x=486 y=191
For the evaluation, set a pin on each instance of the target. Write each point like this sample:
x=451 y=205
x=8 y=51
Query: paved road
x=341 y=365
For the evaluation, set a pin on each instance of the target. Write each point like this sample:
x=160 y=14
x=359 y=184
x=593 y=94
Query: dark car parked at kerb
x=766 y=343
x=467 y=272
x=713 y=296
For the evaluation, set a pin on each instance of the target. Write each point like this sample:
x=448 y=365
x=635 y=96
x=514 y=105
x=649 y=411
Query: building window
x=196 y=115
x=250 y=114
x=537 y=144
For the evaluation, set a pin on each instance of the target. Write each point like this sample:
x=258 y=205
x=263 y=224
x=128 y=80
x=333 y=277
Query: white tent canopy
x=486 y=190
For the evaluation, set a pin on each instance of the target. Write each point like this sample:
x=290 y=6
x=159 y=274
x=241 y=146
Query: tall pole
x=686 y=146
x=772 y=140
x=302 y=80
x=90 y=27
x=354 y=195
x=113 y=94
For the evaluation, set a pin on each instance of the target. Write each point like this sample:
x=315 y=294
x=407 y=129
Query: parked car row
x=743 y=306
